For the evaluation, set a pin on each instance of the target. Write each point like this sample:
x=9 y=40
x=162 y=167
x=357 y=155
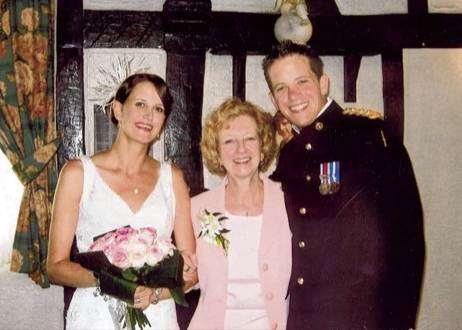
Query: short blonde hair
x=228 y=110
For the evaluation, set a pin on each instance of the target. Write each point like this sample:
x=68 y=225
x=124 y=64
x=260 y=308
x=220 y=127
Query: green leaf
x=178 y=297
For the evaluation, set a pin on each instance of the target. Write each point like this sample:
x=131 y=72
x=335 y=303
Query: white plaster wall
x=445 y=6
x=433 y=85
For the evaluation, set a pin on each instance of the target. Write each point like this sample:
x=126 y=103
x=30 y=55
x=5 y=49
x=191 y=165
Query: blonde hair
x=228 y=110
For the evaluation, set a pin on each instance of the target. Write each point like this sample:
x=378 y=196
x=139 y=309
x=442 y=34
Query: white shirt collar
x=329 y=101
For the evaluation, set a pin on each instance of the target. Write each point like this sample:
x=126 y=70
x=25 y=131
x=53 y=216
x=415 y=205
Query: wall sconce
x=293 y=24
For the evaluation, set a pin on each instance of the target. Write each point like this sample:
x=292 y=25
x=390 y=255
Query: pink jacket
x=275 y=260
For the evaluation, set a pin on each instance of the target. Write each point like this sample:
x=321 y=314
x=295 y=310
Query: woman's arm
x=62 y=230
x=183 y=231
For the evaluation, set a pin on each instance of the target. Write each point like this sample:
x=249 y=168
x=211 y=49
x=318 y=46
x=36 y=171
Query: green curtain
x=27 y=124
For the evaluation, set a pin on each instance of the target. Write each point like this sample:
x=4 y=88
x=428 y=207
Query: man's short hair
x=288 y=48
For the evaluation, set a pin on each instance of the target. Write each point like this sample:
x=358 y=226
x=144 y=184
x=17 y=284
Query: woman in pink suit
x=243 y=236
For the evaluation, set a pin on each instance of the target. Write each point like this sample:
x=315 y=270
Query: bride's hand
x=190 y=266
x=142 y=297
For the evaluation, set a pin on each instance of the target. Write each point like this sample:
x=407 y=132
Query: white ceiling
x=346 y=7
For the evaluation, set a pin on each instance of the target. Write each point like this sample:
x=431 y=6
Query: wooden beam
x=363 y=35
x=185 y=76
x=322 y=8
x=70 y=118
x=351 y=64
x=187 y=16
x=393 y=93
x=239 y=62
x=417 y=7
x=69 y=80
x=253 y=33
x=122 y=29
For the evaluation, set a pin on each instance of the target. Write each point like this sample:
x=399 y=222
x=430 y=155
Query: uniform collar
x=330 y=110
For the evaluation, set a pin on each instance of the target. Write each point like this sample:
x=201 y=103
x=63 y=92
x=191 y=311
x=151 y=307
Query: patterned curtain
x=27 y=124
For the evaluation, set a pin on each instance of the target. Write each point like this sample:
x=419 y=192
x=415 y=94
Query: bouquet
x=127 y=257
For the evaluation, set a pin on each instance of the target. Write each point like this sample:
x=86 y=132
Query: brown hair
x=228 y=110
x=126 y=87
x=288 y=48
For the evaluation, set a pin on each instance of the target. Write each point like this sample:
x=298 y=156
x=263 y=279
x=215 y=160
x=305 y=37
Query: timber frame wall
x=188 y=29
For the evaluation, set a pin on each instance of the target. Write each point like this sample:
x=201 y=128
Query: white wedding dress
x=102 y=210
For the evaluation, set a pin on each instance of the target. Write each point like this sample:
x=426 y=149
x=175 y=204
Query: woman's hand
x=189 y=270
x=190 y=266
x=142 y=297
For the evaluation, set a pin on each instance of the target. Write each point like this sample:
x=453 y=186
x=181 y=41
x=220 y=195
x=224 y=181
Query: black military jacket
x=357 y=252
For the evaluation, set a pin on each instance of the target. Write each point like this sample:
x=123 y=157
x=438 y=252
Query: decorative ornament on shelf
x=293 y=24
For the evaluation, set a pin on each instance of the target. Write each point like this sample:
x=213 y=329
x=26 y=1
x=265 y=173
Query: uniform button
x=301 y=244
x=302 y=211
x=319 y=126
x=300 y=280
x=308 y=178
x=264 y=267
x=308 y=146
x=269 y=296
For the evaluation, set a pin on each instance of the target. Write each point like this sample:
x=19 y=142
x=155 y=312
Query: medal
x=329 y=176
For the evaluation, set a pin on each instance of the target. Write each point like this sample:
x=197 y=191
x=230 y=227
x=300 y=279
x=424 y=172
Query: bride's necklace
x=136 y=190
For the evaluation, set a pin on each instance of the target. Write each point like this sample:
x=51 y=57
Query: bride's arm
x=183 y=231
x=62 y=229
x=184 y=236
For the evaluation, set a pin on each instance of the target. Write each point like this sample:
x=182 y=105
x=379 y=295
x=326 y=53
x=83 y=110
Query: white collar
x=329 y=101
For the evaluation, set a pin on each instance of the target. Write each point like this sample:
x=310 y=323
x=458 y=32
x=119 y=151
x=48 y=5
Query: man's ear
x=324 y=85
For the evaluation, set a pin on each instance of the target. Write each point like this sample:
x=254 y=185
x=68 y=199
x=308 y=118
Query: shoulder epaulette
x=362 y=112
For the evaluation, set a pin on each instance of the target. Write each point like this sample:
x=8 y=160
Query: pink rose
x=119 y=258
x=154 y=255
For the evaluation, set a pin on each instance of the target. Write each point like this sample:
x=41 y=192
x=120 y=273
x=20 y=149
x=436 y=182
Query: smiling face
x=142 y=115
x=240 y=147
x=296 y=90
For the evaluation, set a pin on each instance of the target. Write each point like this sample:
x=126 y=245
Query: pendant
x=136 y=191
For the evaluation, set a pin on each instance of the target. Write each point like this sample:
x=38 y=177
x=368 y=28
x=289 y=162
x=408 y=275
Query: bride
x=118 y=187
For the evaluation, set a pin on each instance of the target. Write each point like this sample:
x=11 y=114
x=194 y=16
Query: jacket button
x=308 y=178
x=301 y=244
x=302 y=211
x=300 y=280
x=319 y=126
x=308 y=146
x=264 y=267
x=269 y=296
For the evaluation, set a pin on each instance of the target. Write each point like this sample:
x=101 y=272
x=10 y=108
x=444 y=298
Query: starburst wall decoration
x=109 y=79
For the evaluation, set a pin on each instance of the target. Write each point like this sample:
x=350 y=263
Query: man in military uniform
x=353 y=206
